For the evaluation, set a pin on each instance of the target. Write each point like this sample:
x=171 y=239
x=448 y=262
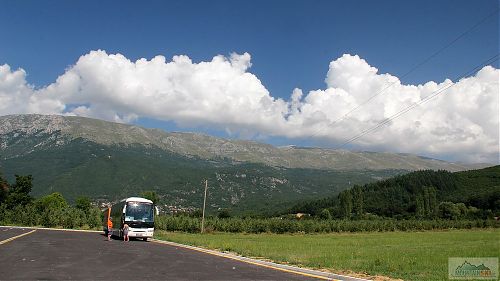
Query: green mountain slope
x=103 y=160
x=111 y=172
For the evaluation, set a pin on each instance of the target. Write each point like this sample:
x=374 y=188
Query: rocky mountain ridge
x=61 y=129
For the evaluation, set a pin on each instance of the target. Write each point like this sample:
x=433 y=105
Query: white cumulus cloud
x=460 y=124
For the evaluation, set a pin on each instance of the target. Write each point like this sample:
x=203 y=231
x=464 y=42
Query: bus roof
x=137 y=199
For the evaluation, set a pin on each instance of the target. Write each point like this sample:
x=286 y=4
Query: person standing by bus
x=125 y=232
x=110 y=226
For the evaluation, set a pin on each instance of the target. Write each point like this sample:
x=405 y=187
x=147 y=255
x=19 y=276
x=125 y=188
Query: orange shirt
x=110 y=224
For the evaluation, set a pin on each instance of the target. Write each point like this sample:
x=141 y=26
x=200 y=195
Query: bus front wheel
x=145 y=239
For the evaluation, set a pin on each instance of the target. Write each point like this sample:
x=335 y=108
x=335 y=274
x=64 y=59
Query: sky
x=280 y=72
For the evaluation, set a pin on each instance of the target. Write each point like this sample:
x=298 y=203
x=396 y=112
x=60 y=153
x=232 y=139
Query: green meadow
x=404 y=255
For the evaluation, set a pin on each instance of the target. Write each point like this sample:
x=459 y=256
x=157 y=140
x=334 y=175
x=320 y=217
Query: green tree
x=345 y=198
x=151 y=195
x=19 y=194
x=224 y=214
x=448 y=210
x=325 y=214
x=196 y=213
x=357 y=200
x=419 y=206
x=462 y=208
x=4 y=188
x=54 y=201
x=94 y=217
x=54 y=210
x=83 y=203
x=430 y=201
x=473 y=212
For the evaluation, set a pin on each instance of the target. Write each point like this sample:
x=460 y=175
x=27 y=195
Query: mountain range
x=104 y=160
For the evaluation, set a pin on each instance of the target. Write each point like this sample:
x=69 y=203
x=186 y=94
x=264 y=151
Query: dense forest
x=422 y=194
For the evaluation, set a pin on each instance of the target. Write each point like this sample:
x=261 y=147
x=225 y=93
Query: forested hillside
x=420 y=194
x=111 y=172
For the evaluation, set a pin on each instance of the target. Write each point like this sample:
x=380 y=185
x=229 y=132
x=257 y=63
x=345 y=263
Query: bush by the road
x=18 y=207
x=68 y=217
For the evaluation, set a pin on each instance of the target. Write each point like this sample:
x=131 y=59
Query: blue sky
x=291 y=43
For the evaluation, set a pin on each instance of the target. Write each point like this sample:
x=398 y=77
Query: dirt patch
x=361 y=275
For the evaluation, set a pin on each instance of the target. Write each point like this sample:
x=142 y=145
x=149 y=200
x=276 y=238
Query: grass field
x=405 y=255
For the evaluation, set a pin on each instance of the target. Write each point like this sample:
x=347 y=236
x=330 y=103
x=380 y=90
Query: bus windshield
x=139 y=212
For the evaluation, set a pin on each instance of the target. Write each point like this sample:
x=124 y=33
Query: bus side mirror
x=157 y=211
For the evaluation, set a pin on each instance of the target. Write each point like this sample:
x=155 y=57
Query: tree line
x=18 y=207
x=418 y=195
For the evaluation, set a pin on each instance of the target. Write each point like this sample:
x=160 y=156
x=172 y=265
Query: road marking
x=56 y=229
x=15 y=237
x=248 y=260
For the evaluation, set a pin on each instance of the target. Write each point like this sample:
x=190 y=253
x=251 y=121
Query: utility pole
x=204 y=203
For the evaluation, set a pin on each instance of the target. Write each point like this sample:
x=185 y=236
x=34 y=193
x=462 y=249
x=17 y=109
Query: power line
x=425 y=100
x=433 y=95
x=463 y=34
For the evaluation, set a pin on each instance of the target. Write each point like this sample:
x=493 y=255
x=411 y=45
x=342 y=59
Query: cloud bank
x=460 y=124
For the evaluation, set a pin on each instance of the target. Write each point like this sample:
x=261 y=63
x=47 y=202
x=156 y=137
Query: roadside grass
x=405 y=255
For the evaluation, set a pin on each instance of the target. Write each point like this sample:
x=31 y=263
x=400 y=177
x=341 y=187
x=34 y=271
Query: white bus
x=138 y=213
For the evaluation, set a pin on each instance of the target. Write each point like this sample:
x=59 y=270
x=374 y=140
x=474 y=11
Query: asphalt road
x=62 y=255
x=8 y=232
